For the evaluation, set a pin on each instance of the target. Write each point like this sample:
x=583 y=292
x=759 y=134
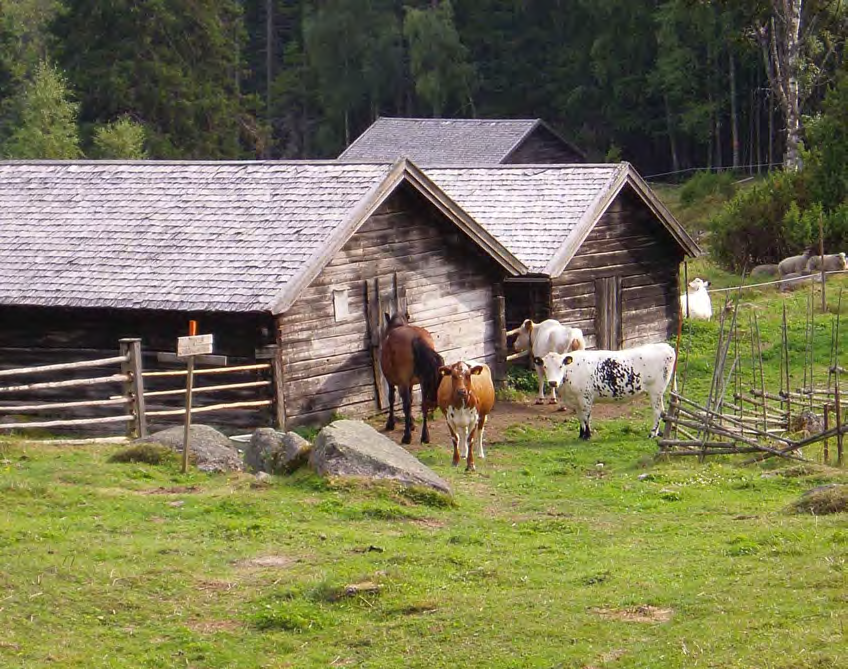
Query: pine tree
x=46 y=119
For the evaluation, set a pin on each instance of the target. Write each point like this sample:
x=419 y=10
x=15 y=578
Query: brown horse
x=408 y=357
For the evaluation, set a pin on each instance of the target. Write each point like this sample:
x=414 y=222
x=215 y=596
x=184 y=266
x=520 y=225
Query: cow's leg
x=471 y=431
x=390 y=421
x=406 y=401
x=425 y=429
x=455 y=440
x=659 y=407
x=584 y=415
x=481 y=427
x=541 y=398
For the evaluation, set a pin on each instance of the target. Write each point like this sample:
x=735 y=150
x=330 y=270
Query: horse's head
x=396 y=321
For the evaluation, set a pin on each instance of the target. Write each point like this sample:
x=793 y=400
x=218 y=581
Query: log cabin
x=602 y=252
x=293 y=262
x=439 y=141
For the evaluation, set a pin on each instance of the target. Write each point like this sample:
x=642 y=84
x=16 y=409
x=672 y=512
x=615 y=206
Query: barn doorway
x=383 y=294
x=608 y=334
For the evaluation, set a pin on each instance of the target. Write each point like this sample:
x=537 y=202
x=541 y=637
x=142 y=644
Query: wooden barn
x=602 y=251
x=429 y=141
x=289 y=261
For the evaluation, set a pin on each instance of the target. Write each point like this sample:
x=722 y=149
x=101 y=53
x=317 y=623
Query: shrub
x=764 y=224
x=706 y=184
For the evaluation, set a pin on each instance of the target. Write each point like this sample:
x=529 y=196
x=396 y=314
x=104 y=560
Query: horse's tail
x=426 y=362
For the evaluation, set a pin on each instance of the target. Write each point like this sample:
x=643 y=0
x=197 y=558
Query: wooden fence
x=131 y=402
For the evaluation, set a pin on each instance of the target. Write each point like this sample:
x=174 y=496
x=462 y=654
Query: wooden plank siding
x=449 y=290
x=40 y=336
x=542 y=146
x=627 y=242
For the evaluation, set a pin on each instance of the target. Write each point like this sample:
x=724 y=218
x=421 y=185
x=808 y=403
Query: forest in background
x=668 y=85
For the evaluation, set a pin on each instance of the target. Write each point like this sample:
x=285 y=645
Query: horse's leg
x=406 y=401
x=390 y=421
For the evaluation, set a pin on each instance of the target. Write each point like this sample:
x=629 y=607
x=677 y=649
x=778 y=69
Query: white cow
x=543 y=338
x=700 y=305
x=582 y=377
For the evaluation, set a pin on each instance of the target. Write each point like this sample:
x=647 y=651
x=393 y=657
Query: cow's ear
x=538 y=361
x=477 y=369
x=527 y=325
x=567 y=360
x=444 y=370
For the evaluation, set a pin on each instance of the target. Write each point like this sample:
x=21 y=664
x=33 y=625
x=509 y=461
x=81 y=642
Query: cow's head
x=460 y=378
x=842 y=260
x=552 y=366
x=522 y=341
x=696 y=284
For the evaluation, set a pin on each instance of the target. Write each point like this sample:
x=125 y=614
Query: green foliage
x=438 y=59
x=763 y=224
x=123 y=139
x=46 y=119
x=826 y=163
x=705 y=184
x=522 y=379
x=176 y=67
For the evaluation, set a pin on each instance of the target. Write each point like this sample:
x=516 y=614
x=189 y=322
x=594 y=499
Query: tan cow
x=466 y=396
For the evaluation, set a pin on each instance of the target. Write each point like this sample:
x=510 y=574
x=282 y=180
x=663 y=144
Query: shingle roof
x=160 y=235
x=542 y=213
x=428 y=141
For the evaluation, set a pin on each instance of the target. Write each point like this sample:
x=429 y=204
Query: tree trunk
x=269 y=55
x=780 y=44
x=672 y=136
x=734 y=113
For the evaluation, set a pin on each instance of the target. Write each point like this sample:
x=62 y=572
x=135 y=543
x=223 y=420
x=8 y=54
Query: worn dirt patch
x=215 y=586
x=267 y=562
x=212 y=626
x=176 y=490
x=636 y=614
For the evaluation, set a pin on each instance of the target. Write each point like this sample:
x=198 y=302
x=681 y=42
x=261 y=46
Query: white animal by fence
x=700 y=305
x=793 y=264
x=582 y=377
x=832 y=263
x=543 y=338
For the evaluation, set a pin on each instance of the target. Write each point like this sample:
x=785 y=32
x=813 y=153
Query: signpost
x=188 y=347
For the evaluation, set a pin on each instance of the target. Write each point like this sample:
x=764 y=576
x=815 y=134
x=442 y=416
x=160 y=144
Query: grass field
x=557 y=553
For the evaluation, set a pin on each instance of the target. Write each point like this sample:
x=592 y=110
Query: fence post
x=134 y=387
x=278 y=388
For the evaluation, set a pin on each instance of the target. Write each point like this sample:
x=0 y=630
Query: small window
x=340 y=305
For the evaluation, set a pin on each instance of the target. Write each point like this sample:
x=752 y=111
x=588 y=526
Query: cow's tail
x=426 y=362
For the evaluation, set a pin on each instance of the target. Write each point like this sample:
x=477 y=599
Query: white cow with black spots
x=581 y=377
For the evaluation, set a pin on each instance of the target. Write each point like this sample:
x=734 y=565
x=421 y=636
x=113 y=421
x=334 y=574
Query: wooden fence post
x=499 y=304
x=278 y=388
x=134 y=386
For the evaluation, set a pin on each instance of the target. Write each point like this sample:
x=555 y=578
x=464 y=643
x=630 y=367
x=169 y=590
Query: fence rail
x=133 y=395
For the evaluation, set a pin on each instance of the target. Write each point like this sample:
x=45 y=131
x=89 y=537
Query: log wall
x=327 y=359
x=628 y=242
x=542 y=146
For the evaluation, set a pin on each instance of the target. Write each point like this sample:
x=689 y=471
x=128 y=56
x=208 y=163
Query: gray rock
x=211 y=450
x=275 y=453
x=351 y=448
x=761 y=271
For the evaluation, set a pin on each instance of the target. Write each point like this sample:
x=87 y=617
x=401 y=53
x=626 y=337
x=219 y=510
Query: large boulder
x=274 y=452
x=351 y=448
x=211 y=450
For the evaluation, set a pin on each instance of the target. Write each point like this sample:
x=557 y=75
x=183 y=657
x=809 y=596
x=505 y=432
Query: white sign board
x=197 y=345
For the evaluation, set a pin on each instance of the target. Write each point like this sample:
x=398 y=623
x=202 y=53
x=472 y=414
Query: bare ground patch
x=268 y=562
x=213 y=626
x=175 y=490
x=636 y=614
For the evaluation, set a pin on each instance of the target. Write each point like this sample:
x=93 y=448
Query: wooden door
x=608 y=334
x=382 y=295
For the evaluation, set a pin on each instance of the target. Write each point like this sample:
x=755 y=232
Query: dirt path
x=509 y=414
